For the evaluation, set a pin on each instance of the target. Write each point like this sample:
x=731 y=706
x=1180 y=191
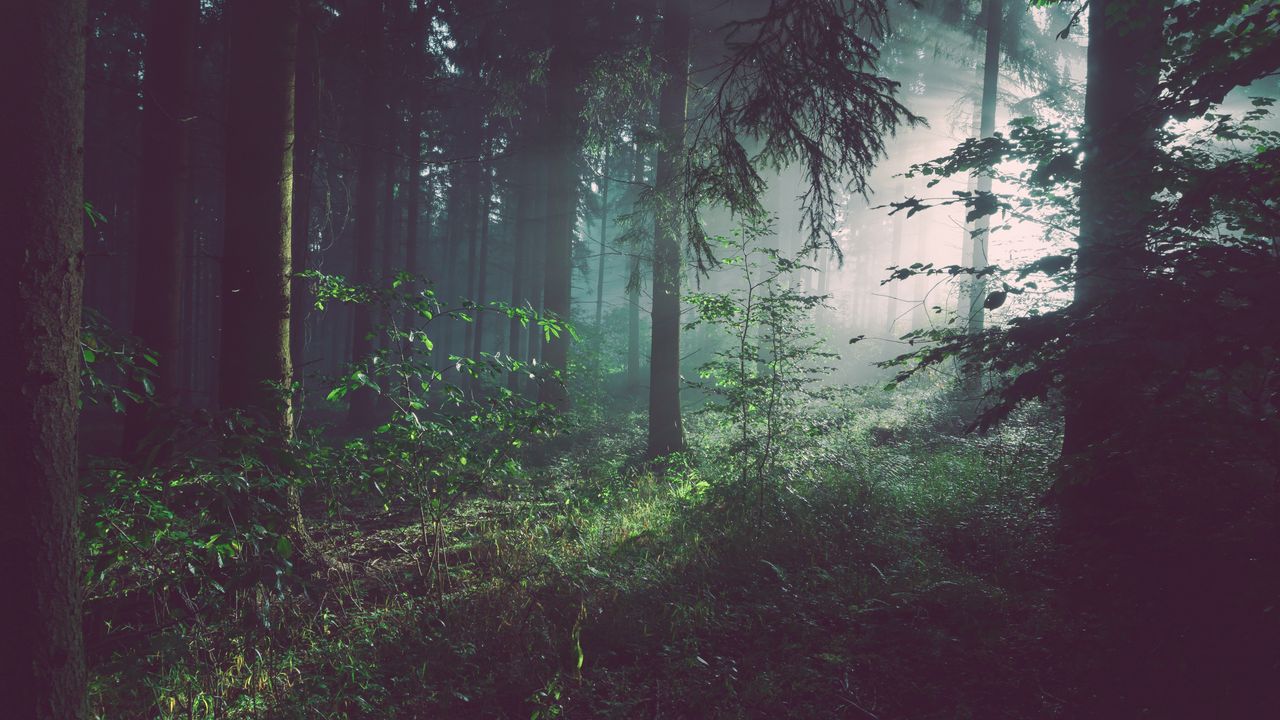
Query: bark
x=475 y=208
x=482 y=265
x=363 y=409
x=604 y=231
x=895 y=259
x=633 y=294
x=1117 y=184
x=164 y=198
x=979 y=239
x=413 y=203
x=304 y=160
x=666 y=431
x=42 y=669
x=256 y=253
x=565 y=105
x=524 y=208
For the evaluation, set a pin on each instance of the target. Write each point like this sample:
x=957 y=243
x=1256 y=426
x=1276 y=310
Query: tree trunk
x=565 y=105
x=482 y=264
x=666 y=431
x=476 y=209
x=413 y=202
x=978 y=242
x=633 y=292
x=363 y=408
x=519 y=253
x=895 y=259
x=304 y=160
x=256 y=254
x=604 y=231
x=164 y=197
x=1125 y=45
x=42 y=670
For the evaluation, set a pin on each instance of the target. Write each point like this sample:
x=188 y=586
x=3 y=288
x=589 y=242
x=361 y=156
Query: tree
x=42 y=47
x=978 y=239
x=799 y=81
x=363 y=408
x=163 y=197
x=666 y=430
x=564 y=107
x=1116 y=189
x=255 y=368
x=306 y=140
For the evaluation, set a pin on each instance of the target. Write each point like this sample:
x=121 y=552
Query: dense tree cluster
x=400 y=250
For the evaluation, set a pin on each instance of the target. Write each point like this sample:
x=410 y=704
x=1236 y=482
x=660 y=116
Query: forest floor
x=899 y=572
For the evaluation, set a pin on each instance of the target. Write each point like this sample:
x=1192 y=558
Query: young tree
x=163 y=198
x=978 y=236
x=42 y=48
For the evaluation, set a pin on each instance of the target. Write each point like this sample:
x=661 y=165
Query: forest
x=880 y=359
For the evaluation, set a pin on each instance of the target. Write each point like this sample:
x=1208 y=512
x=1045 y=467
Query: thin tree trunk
x=476 y=208
x=413 y=204
x=895 y=259
x=304 y=160
x=633 y=292
x=519 y=261
x=666 y=431
x=975 y=319
x=42 y=669
x=604 y=230
x=482 y=266
x=164 y=197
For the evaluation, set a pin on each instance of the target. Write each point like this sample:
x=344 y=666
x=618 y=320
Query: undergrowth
x=893 y=571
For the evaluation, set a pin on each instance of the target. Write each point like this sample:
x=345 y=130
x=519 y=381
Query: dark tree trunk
x=413 y=202
x=363 y=408
x=604 y=230
x=633 y=292
x=42 y=669
x=304 y=159
x=564 y=107
x=482 y=265
x=164 y=198
x=524 y=207
x=475 y=208
x=1115 y=192
x=537 y=250
x=666 y=431
x=256 y=253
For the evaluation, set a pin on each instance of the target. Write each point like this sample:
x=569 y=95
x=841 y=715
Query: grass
x=898 y=578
